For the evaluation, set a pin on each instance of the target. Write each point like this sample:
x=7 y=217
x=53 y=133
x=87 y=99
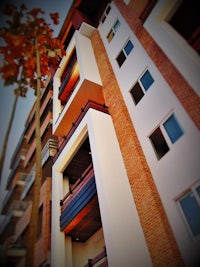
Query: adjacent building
x=17 y=204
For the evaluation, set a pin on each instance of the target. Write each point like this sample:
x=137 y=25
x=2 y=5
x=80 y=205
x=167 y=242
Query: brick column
x=159 y=237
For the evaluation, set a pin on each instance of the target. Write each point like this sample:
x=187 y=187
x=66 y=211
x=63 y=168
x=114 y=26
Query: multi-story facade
x=20 y=186
x=121 y=174
x=125 y=180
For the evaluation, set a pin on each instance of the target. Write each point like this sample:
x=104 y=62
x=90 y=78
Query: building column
x=124 y=238
x=57 y=237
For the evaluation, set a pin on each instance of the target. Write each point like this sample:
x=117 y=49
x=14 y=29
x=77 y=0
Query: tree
x=29 y=52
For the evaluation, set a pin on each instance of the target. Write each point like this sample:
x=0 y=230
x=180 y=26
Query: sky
x=6 y=92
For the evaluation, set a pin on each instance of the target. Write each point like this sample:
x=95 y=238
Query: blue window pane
x=147 y=80
x=173 y=129
x=116 y=25
x=191 y=210
x=128 y=47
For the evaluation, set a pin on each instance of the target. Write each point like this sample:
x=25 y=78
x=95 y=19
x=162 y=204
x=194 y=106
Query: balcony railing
x=45 y=124
x=101 y=258
x=89 y=104
x=16 y=249
x=49 y=150
x=29 y=181
x=18 y=207
x=78 y=196
x=22 y=178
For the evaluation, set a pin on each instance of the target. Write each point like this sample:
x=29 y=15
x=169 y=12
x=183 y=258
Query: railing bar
x=99 y=257
x=84 y=174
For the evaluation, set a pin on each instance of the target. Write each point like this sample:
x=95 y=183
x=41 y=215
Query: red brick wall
x=43 y=244
x=184 y=92
x=159 y=237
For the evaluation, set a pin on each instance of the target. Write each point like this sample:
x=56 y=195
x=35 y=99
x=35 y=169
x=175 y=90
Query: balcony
x=43 y=106
x=80 y=216
x=32 y=147
x=69 y=78
x=76 y=81
x=16 y=249
x=18 y=207
x=21 y=178
x=28 y=183
x=49 y=150
x=83 y=111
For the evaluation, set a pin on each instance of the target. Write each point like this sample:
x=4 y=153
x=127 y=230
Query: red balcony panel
x=69 y=84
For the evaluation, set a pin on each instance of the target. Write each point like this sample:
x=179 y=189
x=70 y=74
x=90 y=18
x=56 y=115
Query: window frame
x=105 y=14
x=113 y=31
x=144 y=91
x=124 y=52
x=190 y=190
x=170 y=144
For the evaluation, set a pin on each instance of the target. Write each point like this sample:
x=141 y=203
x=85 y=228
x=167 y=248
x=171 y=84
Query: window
x=189 y=205
x=113 y=30
x=106 y=14
x=126 y=50
x=173 y=129
x=165 y=135
x=141 y=86
x=185 y=20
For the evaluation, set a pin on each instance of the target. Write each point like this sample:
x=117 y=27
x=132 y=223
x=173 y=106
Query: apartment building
x=125 y=178
x=18 y=201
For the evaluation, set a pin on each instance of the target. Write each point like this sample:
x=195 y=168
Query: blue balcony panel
x=78 y=203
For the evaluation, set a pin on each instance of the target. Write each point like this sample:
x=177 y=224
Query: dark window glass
x=137 y=93
x=121 y=58
x=159 y=143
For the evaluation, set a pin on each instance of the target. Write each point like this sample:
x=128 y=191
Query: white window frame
x=164 y=132
x=105 y=14
x=192 y=190
x=141 y=85
x=113 y=31
x=124 y=51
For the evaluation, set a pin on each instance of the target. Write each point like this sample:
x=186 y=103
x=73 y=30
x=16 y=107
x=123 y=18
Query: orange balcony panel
x=69 y=87
x=88 y=91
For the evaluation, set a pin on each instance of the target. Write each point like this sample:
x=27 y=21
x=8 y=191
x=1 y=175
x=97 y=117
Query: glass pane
x=116 y=25
x=191 y=211
x=128 y=47
x=147 y=80
x=137 y=93
x=110 y=36
x=159 y=143
x=173 y=129
x=121 y=58
x=108 y=10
